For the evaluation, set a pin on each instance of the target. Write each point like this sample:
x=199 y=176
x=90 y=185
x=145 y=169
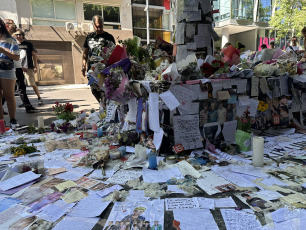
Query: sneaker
x=21 y=105
x=5 y=113
x=31 y=109
x=14 y=124
x=40 y=102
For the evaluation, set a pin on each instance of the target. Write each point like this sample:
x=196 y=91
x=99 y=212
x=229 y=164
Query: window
x=91 y=10
x=109 y=13
x=53 y=9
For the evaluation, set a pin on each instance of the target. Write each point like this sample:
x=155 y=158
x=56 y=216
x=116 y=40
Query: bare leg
x=9 y=95
x=36 y=90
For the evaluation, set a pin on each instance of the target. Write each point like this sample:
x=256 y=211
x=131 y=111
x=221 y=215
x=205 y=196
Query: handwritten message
x=186 y=131
x=181 y=203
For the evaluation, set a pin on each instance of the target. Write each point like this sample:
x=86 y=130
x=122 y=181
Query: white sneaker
x=14 y=125
x=40 y=102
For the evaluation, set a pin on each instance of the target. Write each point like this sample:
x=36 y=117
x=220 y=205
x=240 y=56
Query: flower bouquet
x=243 y=132
x=64 y=111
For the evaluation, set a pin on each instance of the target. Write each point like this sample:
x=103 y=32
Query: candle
x=2 y=126
x=114 y=154
x=122 y=150
x=100 y=132
x=41 y=123
x=258 y=151
x=152 y=159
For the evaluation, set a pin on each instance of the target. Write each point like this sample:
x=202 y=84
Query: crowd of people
x=17 y=62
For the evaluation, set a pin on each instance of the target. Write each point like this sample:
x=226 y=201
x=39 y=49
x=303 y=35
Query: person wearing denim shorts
x=9 y=51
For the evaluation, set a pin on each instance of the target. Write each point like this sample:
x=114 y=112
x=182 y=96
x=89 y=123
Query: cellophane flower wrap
x=117 y=86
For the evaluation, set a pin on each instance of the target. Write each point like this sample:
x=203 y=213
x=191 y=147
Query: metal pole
x=148 y=24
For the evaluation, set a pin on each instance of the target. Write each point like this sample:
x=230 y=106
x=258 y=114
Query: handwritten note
x=182 y=94
x=122 y=176
x=70 y=143
x=170 y=100
x=55 y=211
x=53 y=171
x=67 y=184
x=181 y=203
x=76 y=223
x=186 y=131
x=234 y=219
x=110 y=112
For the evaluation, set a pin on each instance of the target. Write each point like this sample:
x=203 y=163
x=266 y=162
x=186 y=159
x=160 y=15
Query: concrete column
x=225 y=36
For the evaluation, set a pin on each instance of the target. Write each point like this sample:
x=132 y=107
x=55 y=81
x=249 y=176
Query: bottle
x=152 y=159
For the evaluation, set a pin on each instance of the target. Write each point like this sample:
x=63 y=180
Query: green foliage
x=290 y=16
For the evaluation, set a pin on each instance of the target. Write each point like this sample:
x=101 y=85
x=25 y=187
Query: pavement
x=79 y=95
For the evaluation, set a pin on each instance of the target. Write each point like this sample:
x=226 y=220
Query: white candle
x=258 y=151
x=41 y=123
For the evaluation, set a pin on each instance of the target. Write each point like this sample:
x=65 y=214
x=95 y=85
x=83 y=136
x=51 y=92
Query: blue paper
x=7 y=203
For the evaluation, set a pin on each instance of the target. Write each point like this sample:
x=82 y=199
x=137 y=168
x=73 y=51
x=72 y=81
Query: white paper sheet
x=235 y=219
x=160 y=176
x=131 y=115
x=181 y=203
x=170 y=100
x=158 y=138
x=181 y=53
x=153 y=112
x=206 y=203
x=172 y=71
x=209 y=182
x=110 y=112
x=122 y=176
x=76 y=223
x=190 y=30
x=229 y=130
x=174 y=189
x=18 y=180
x=225 y=202
x=182 y=94
x=241 y=87
x=91 y=206
x=180 y=31
x=195 y=219
x=186 y=131
x=107 y=191
x=192 y=16
x=193 y=109
x=55 y=211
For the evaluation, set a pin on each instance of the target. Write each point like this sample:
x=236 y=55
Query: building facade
x=245 y=21
x=58 y=28
x=160 y=19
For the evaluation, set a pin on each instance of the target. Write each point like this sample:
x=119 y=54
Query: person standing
x=272 y=44
x=19 y=71
x=93 y=46
x=294 y=47
x=32 y=65
x=9 y=51
x=304 y=35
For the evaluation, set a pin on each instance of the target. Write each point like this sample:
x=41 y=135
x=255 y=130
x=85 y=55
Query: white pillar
x=225 y=36
x=148 y=24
